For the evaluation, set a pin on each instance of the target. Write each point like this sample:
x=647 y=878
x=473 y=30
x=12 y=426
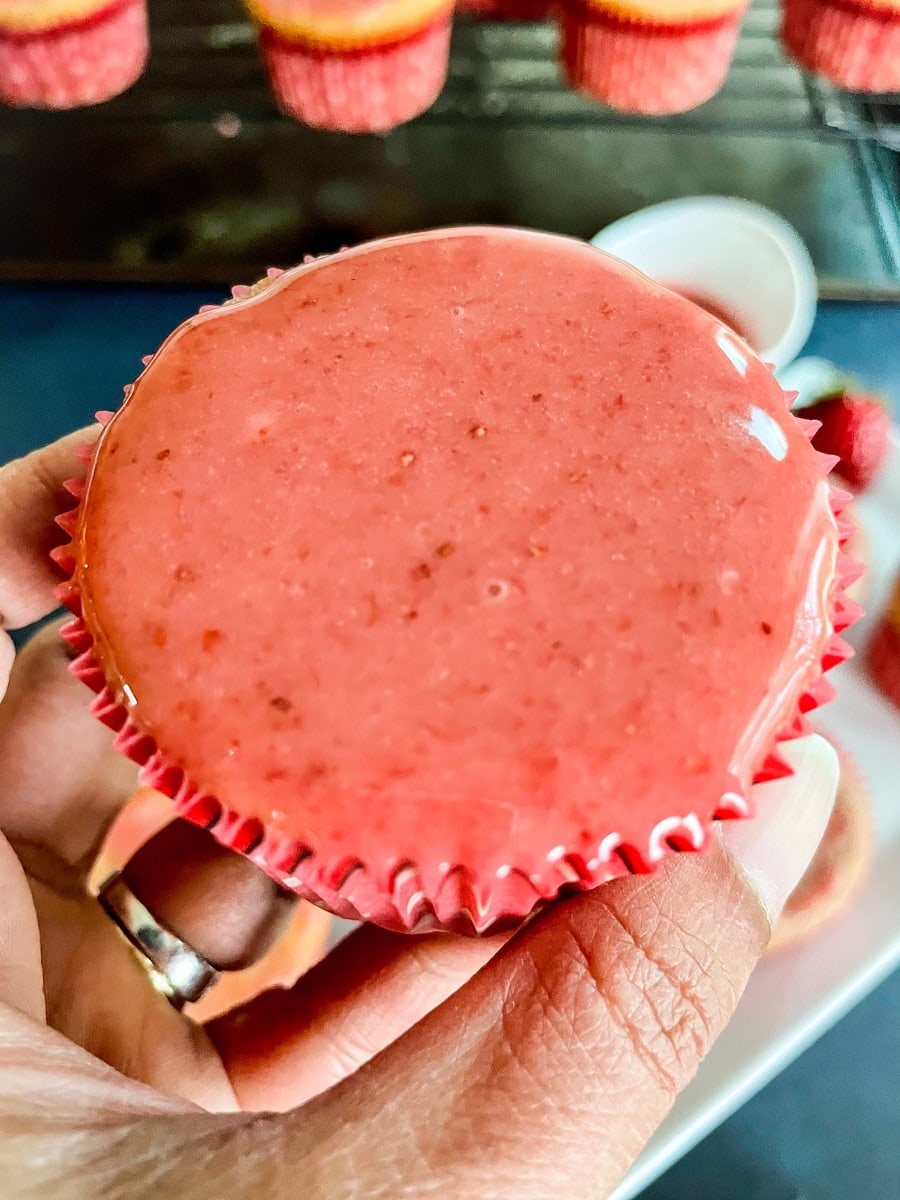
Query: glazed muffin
x=455 y=570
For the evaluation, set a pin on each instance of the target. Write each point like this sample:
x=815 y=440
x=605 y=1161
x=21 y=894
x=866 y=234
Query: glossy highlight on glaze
x=458 y=548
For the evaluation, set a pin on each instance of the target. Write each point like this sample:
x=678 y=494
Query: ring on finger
x=175 y=968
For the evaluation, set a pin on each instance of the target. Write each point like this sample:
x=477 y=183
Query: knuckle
x=634 y=989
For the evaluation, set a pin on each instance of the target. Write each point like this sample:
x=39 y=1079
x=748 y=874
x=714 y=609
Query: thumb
x=546 y=1074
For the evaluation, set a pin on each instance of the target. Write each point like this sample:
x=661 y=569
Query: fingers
x=776 y=847
x=31 y=495
x=549 y=1070
x=286 y=1046
x=219 y=903
x=61 y=781
x=21 y=979
x=300 y=947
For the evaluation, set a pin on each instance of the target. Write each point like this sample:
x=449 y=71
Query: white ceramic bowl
x=748 y=263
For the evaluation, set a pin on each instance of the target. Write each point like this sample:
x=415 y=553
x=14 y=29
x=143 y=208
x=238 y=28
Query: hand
x=517 y=1068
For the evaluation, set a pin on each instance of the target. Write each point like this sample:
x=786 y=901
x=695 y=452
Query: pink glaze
x=460 y=548
x=718 y=310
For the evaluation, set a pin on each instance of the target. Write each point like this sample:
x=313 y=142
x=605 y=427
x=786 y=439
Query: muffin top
x=670 y=12
x=350 y=24
x=469 y=547
x=27 y=17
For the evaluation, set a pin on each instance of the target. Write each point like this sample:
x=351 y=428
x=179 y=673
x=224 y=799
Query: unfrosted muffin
x=649 y=56
x=69 y=53
x=355 y=66
x=853 y=43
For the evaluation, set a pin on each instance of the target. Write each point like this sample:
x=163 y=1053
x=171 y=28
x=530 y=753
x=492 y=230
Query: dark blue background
x=827 y=1128
x=67 y=351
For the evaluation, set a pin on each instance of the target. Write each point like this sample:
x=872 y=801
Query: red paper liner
x=858 y=549
x=371 y=89
x=638 y=67
x=883 y=650
x=76 y=63
x=838 y=867
x=506 y=10
x=853 y=44
x=400 y=894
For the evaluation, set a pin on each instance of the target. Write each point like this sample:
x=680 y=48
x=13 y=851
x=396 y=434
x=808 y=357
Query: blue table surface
x=826 y=1129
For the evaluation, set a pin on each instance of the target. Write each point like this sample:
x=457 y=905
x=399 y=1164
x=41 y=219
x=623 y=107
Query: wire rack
x=193 y=175
x=204 y=63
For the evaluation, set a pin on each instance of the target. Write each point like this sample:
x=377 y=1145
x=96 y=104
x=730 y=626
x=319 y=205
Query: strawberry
x=855 y=428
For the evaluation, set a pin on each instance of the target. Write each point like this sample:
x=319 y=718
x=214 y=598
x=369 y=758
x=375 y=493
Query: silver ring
x=174 y=967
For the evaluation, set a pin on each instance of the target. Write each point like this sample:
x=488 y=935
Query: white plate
x=743 y=257
x=799 y=993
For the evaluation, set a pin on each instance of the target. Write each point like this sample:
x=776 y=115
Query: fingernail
x=7 y=654
x=775 y=847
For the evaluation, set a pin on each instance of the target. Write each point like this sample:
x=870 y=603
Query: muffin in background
x=882 y=654
x=855 y=44
x=839 y=867
x=359 y=67
x=70 y=53
x=651 y=57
